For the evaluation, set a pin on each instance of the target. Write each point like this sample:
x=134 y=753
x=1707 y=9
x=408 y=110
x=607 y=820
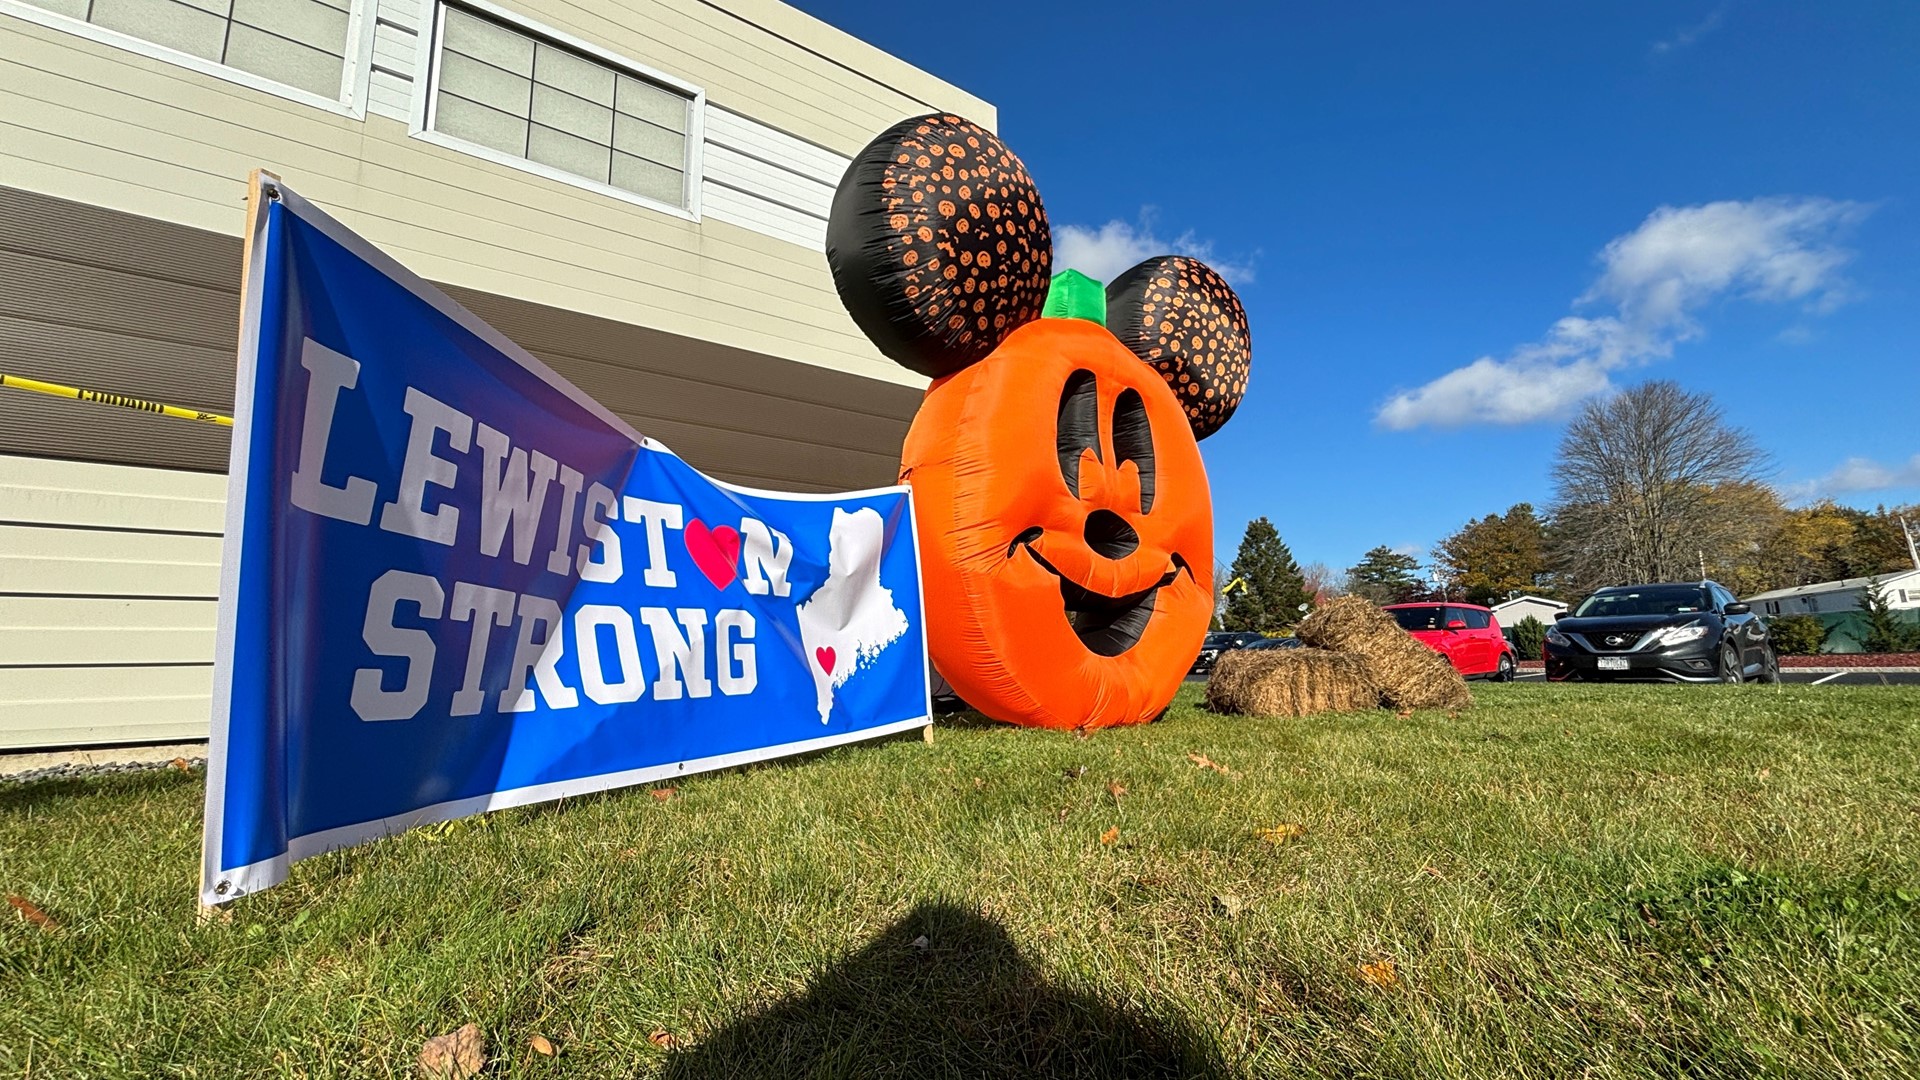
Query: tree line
x=1651 y=484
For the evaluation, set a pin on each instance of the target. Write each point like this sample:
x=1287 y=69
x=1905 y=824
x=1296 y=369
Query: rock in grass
x=1290 y=682
x=1408 y=674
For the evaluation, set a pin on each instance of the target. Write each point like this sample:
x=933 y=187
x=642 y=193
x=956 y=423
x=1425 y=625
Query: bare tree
x=1650 y=484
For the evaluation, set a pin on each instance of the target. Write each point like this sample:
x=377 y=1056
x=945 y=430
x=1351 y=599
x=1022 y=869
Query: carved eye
x=1133 y=441
x=1078 y=425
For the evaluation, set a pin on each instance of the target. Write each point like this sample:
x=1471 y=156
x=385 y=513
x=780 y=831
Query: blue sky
x=1451 y=223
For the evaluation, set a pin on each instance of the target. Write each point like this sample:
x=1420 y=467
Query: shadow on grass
x=964 y=1003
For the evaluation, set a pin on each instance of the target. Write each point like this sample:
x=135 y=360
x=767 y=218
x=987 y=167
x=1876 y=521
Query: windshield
x=1423 y=617
x=1654 y=600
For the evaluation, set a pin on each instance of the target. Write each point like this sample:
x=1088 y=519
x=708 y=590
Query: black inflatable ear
x=1178 y=315
x=938 y=243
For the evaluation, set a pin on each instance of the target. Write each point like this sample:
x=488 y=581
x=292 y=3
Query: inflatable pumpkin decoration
x=1066 y=528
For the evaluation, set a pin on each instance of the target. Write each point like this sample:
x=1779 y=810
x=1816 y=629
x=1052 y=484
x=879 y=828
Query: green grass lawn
x=1562 y=881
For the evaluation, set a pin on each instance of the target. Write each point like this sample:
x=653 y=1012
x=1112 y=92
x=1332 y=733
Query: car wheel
x=1505 y=673
x=1770 y=667
x=1729 y=665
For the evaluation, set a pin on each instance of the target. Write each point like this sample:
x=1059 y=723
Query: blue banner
x=453 y=583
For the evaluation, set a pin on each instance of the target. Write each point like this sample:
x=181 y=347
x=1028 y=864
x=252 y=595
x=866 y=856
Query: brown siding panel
x=112 y=301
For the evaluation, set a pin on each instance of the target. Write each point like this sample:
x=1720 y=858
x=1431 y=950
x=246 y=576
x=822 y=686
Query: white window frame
x=356 y=68
x=426 y=91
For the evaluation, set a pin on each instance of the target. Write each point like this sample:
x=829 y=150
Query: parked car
x=1466 y=634
x=1276 y=643
x=1220 y=641
x=1674 y=632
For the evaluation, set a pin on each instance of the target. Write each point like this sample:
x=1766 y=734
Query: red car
x=1466 y=634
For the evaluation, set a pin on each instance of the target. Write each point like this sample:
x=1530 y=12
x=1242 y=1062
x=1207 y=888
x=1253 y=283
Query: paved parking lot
x=1821 y=678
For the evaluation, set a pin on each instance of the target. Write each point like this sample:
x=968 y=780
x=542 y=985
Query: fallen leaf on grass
x=926 y=733
x=1432 y=871
x=541 y=1046
x=457 y=1055
x=1229 y=905
x=1281 y=833
x=920 y=943
x=1404 y=713
x=663 y=1039
x=32 y=913
x=1116 y=789
x=663 y=793
x=979 y=782
x=181 y=764
x=1379 y=973
x=1206 y=762
x=1110 y=835
x=1763 y=774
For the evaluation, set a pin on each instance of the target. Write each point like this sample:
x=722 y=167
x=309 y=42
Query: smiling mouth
x=1106 y=625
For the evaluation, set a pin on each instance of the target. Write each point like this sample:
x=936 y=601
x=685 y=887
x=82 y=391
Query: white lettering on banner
x=657 y=517
x=369 y=700
x=539 y=658
x=600 y=534
x=726 y=654
x=679 y=656
x=765 y=554
x=494 y=608
x=407 y=513
x=560 y=559
x=586 y=645
x=679 y=638
x=328 y=373
x=507 y=498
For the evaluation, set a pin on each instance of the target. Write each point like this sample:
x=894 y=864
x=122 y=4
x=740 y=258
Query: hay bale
x=1409 y=675
x=1289 y=682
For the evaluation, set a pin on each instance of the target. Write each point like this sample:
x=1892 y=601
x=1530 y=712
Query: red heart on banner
x=715 y=551
x=824 y=654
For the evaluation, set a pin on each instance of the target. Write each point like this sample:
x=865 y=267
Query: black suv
x=1220 y=641
x=1690 y=632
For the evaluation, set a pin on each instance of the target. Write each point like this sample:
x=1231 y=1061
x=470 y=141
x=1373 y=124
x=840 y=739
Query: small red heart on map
x=824 y=654
x=715 y=551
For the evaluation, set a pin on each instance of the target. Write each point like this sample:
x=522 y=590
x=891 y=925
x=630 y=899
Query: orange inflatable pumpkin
x=1066 y=527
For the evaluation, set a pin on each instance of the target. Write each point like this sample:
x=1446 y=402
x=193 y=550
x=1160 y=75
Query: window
x=297 y=43
x=530 y=98
x=1773 y=607
x=1473 y=617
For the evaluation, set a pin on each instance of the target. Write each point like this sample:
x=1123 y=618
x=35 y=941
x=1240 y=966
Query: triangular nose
x=1109 y=534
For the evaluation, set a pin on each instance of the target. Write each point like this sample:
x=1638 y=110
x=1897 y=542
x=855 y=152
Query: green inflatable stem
x=1074 y=295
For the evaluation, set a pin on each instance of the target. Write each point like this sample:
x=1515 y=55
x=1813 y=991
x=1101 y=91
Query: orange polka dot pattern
x=939 y=244
x=1183 y=318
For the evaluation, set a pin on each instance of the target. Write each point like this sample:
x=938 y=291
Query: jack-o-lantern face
x=1065 y=523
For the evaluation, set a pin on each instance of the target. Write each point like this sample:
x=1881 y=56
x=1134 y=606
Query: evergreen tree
x=1385 y=576
x=1267 y=587
x=1886 y=633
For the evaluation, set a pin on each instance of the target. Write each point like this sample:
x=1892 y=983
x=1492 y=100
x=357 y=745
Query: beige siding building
x=634 y=190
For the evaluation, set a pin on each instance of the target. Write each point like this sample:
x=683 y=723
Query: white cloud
x=1654 y=279
x=1104 y=253
x=1687 y=35
x=1856 y=474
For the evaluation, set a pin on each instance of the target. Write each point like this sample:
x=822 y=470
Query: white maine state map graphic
x=851 y=616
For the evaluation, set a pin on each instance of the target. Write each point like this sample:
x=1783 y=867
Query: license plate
x=1613 y=663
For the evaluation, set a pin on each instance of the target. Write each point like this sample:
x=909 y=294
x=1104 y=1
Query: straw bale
x=1409 y=675
x=1289 y=682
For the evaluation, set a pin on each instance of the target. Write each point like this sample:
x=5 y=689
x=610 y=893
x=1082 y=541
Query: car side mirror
x=1737 y=609
x=1457 y=624
x=1561 y=614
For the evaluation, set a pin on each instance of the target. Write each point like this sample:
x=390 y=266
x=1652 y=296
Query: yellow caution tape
x=76 y=394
